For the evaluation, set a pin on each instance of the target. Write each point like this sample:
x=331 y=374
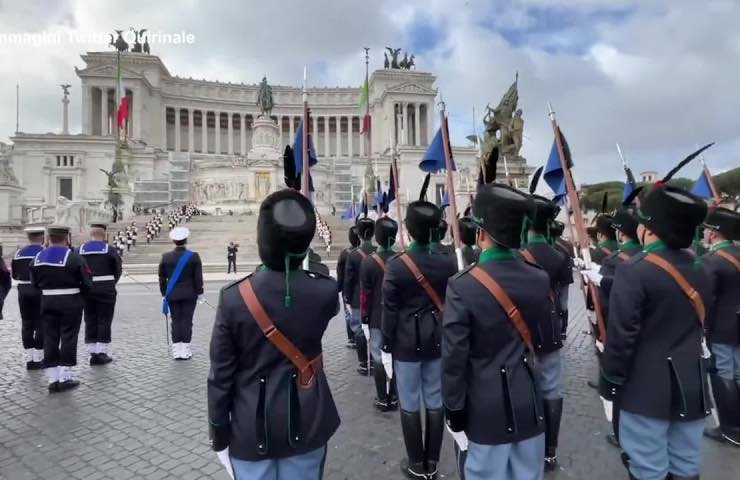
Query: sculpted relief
x=220 y=190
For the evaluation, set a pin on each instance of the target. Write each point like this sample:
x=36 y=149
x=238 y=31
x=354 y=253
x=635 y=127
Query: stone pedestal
x=126 y=199
x=10 y=205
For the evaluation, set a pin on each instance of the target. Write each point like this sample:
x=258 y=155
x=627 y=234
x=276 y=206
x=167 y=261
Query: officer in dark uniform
x=100 y=302
x=549 y=333
x=29 y=298
x=722 y=262
x=63 y=278
x=186 y=291
x=606 y=239
x=372 y=271
x=488 y=376
x=231 y=252
x=412 y=326
x=267 y=418
x=354 y=242
x=351 y=289
x=556 y=236
x=468 y=232
x=652 y=365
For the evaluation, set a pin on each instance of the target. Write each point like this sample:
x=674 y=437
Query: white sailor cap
x=35 y=229
x=179 y=233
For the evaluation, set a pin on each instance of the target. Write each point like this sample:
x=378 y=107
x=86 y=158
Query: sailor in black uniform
x=491 y=313
x=100 y=301
x=354 y=242
x=271 y=412
x=351 y=289
x=549 y=333
x=181 y=291
x=372 y=271
x=29 y=298
x=63 y=278
x=722 y=262
x=652 y=366
x=413 y=296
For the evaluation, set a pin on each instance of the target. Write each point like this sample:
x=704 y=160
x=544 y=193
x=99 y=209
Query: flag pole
x=304 y=138
x=17 y=107
x=394 y=168
x=580 y=225
x=451 y=186
x=715 y=194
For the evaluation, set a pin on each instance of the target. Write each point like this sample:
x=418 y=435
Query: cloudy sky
x=660 y=77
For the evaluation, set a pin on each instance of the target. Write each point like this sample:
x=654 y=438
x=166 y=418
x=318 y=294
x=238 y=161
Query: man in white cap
x=181 y=285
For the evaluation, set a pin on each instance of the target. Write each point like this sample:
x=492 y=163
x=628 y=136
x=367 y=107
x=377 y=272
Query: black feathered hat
x=500 y=210
x=625 y=220
x=386 y=230
x=725 y=221
x=285 y=227
x=354 y=240
x=545 y=212
x=422 y=217
x=672 y=213
x=468 y=230
x=365 y=226
x=556 y=229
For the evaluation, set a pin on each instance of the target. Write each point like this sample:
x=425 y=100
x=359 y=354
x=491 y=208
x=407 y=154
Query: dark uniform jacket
x=252 y=392
x=548 y=334
x=411 y=324
x=58 y=267
x=5 y=282
x=371 y=288
x=723 y=318
x=20 y=268
x=105 y=265
x=653 y=349
x=609 y=267
x=486 y=369
x=442 y=249
x=231 y=251
x=351 y=287
x=470 y=254
x=341 y=265
x=190 y=283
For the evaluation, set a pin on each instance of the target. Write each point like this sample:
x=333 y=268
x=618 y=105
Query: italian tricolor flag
x=364 y=108
x=122 y=114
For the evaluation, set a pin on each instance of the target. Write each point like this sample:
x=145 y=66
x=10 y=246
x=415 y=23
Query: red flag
x=122 y=111
x=365 y=127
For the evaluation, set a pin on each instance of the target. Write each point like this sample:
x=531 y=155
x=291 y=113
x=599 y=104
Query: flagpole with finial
x=304 y=139
x=394 y=172
x=580 y=225
x=450 y=184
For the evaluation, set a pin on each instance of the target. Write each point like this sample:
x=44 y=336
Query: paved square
x=144 y=416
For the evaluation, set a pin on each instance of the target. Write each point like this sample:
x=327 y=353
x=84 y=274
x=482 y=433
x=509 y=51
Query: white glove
x=461 y=439
x=223 y=457
x=201 y=299
x=387 y=360
x=366 y=331
x=592 y=276
x=705 y=353
x=578 y=262
x=599 y=346
x=608 y=408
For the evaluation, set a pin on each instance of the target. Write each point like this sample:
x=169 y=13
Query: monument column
x=280 y=131
x=349 y=136
x=86 y=110
x=137 y=116
x=164 y=128
x=204 y=131
x=405 y=139
x=103 y=111
x=191 y=131
x=230 y=124
x=242 y=134
x=417 y=124
x=292 y=128
x=430 y=121
x=177 y=129
x=217 y=116
x=314 y=134
x=338 y=119
x=362 y=139
x=326 y=137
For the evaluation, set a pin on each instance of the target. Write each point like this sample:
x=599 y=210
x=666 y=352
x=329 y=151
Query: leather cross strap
x=430 y=291
x=606 y=250
x=728 y=256
x=503 y=299
x=307 y=370
x=378 y=260
x=685 y=286
x=623 y=256
x=361 y=252
x=530 y=258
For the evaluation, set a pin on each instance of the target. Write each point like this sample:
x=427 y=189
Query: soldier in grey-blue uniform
x=488 y=372
x=722 y=262
x=354 y=242
x=271 y=412
x=652 y=366
x=413 y=296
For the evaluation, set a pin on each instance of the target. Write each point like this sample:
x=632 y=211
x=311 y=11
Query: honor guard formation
x=461 y=339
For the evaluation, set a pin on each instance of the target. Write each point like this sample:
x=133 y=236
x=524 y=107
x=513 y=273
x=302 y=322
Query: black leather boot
x=413 y=465
x=382 y=399
x=727 y=401
x=361 y=343
x=553 y=414
x=435 y=425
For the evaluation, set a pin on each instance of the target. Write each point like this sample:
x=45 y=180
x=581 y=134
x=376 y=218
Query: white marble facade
x=186 y=134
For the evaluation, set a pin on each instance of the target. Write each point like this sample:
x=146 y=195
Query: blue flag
x=553 y=172
x=391 y=187
x=298 y=150
x=434 y=158
x=629 y=185
x=701 y=187
x=445 y=200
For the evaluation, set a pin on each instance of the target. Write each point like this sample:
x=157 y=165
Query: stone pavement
x=144 y=416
